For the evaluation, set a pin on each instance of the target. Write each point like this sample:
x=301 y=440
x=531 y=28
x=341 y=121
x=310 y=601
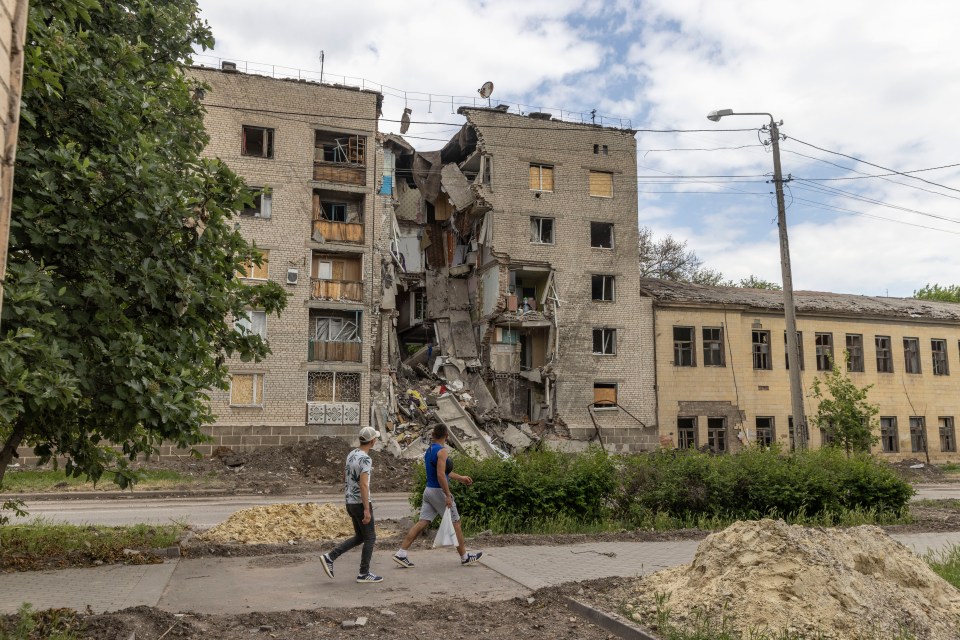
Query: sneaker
x=403 y=562
x=472 y=558
x=327 y=565
x=369 y=577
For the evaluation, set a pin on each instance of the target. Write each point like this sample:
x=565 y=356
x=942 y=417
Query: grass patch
x=39 y=480
x=51 y=624
x=949 y=503
x=946 y=564
x=42 y=544
x=950 y=467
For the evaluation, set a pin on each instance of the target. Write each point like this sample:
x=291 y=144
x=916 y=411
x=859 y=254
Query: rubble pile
x=847 y=584
x=279 y=523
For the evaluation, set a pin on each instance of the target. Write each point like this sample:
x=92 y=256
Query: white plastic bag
x=446 y=535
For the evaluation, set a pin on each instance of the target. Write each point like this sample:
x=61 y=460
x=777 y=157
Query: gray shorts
x=434 y=503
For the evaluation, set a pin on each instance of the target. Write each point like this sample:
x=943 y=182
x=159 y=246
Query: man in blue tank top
x=436 y=498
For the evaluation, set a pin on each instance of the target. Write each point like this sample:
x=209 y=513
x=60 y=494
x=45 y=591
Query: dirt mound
x=845 y=584
x=282 y=523
x=914 y=470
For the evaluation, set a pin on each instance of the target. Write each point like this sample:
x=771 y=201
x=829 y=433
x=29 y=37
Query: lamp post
x=789 y=311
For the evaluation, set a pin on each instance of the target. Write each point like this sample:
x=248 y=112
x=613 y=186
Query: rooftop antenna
x=321 y=67
x=485 y=91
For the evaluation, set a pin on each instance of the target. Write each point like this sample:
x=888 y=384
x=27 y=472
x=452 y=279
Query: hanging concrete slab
x=458 y=421
x=457 y=187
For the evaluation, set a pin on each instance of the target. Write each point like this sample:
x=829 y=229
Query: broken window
x=601 y=150
x=603 y=288
x=486 y=170
x=262 y=204
x=257 y=142
x=601 y=184
x=246 y=390
x=889 y=440
x=939 y=349
x=687 y=432
x=824 y=343
x=827 y=435
x=884 y=354
x=918 y=434
x=911 y=355
x=340 y=148
x=507 y=336
x=256 y=271
x=541 y=177
x=333 y=211
x=336 y=330
x=854 y=352
x=419 y=306
x=605 y=342
x=713 y=346
x=601 y=235
x=717 y=434
x=765 y=433
x=761 y=350
x=948 y=438
x=683 y=347
x=786 y=350
x=541 y=230
x=333 y=386
x=604 y=395
x=252 y=323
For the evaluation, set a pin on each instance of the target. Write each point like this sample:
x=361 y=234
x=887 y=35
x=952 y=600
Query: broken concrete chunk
x=457 y=187
x=516 y=438
x=362 y=621
x=348 y=624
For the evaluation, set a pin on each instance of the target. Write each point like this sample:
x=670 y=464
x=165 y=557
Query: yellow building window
x=541 y=177
x=601 y=184
x=257 y=271
x=246 y=390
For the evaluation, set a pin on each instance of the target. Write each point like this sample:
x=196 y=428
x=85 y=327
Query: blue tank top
x=430 y=460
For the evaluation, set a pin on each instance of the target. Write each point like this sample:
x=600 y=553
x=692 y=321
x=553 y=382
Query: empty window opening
x=683 y=347
x=765 y=434
x=786 y=350
x=486 y=170
x=246 y=389
x=761 y=349
x=918 y=434
x=257 y=142
x=939 y=350
x=262 y=204
x=605 y=342
x=601 y=184
x=854 y=352
x=601 y=235
x=713 y=347
x=541 y=230
x=948 y=437
x=687 y=432
x=889 y=439
x=884 y=354
x=604 y=395
x=717 y=434
x=340 y=148
x=601 y=150
x=541 y=177
x=333 y=211
x=911 y=355
x=824 y=342
x=604 y=288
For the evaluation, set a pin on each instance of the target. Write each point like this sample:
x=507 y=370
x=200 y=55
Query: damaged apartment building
x=502 y=267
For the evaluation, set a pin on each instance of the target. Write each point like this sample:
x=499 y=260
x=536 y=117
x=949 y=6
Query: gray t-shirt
x=358 y=463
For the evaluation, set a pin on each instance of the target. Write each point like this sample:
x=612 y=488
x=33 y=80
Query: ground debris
x=845 y=584
x=281 y=523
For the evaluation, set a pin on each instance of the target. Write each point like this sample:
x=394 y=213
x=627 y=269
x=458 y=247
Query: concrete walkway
x=286 y=582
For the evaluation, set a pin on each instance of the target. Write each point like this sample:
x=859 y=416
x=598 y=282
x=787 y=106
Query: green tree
x=844 y=413
x=121 y=285
x=753 y=282
x=949 y=293
x=670 y=259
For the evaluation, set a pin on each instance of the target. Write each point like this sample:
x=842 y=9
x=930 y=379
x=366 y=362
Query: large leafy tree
x=122 y=262
x=844 y=413
x=948 y=293
x=669 y=259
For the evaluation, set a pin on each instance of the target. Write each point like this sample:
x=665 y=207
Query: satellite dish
x=486 y=90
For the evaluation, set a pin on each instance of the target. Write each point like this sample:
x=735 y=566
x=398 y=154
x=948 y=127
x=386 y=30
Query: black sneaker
x=369 y=577
x=327 y=565
x=472 y=558
x=403 y=562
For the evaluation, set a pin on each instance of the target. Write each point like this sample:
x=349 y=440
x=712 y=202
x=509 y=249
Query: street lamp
x=789 y=311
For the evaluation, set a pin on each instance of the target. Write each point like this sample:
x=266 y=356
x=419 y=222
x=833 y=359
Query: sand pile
x=282 y=523
x=847 y=584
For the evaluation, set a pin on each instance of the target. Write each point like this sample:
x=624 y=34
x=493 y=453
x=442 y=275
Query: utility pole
x=800 y=435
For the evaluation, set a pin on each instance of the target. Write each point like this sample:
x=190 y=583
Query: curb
x=200 y=493
x=611 y=622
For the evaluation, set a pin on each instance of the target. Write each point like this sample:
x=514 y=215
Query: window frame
x=717 y=435
x=262 y=204
x=268 y=140
x=245 y=324
x=911 y=353
x=610 y=225
x=538 y=177
x=335 y=385
x=536 y=230
x=766 y=362
x=940 y=361
x=685 y=347
x=687 y=435
x=769 y=430
x=252 y=271
x=854 y=353
x=889 y=435
x=918 y=434
x=948 y=434
x=786 y=354
x=257 y=383
x=608 y=340
x=605 y=296
x=823 y=340
x=713 y=346
x=884 y=354
x=598 y=384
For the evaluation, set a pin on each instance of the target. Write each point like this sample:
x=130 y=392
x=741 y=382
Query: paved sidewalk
x=285 y=582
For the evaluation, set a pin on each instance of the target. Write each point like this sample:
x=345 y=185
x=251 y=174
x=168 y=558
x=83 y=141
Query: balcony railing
x=340 y=172
x=343 y=290
x=338 y=231
x=333 y=413
x=325 y=351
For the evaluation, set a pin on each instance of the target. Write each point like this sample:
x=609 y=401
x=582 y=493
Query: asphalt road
x=196 y=511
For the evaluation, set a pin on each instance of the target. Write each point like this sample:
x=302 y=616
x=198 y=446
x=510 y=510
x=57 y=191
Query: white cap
x=368 y=433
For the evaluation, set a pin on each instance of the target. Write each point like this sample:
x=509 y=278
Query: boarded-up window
x=246 y=389
x=257 y=271
x=601 y=184
x=541 y=177
x=604 y=395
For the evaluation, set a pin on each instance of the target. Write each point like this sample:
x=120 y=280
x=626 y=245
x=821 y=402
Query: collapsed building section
x=512 y=261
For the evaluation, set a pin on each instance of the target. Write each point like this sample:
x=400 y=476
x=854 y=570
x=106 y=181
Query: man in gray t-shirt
x=356 y=476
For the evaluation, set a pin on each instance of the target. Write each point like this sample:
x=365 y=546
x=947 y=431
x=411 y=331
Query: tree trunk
x=10 y=449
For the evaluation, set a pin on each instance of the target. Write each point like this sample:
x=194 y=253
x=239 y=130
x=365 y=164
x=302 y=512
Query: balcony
x=336 y=290
x=340 y=158
x=330 y=351
x=331 y=231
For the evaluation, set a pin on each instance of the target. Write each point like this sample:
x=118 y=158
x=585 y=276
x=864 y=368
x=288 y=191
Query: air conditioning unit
x=292 y=276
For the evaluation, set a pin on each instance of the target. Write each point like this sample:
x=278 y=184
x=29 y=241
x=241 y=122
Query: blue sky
x=876 y=80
